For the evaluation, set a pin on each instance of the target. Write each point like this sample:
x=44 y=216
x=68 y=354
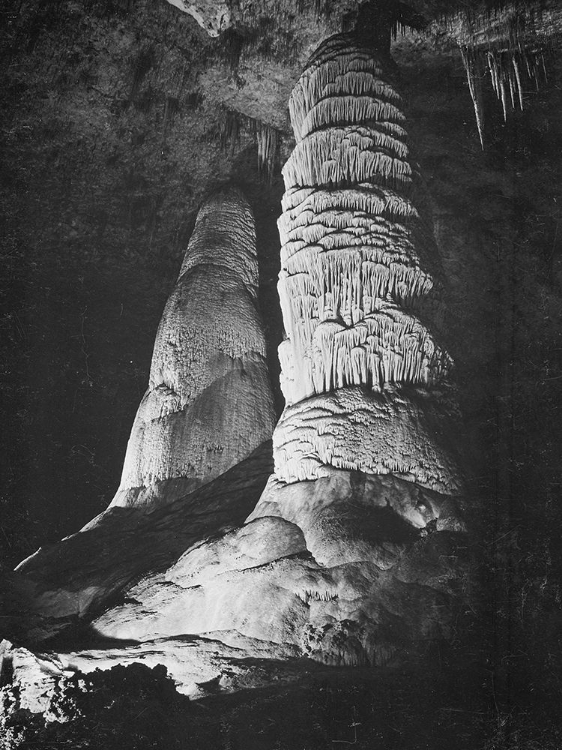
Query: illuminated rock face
x=365 y=465
x=391 y=432
x=342 y=570
x=355 y=283
x=209 y=403
x=351 y=555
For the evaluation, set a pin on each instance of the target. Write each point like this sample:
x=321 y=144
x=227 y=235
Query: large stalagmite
x=208 y=404
x=199 y=451
x=364 y=453
x=351 y=555
x=356 y=284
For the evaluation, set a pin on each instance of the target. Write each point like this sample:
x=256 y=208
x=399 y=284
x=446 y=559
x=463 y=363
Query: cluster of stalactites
x=267 y=139
x=506 y=44
x=354 y=248
x=518 y=24
x=508 y=69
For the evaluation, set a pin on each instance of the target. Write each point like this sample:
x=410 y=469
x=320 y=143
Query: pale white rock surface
x=362 y=369
x=208 y=403
x=347 y=569
x=198 y=666
x=401 y=432
x=67 y=583
x=213 y=16
x=34 y=676
x=355 y=552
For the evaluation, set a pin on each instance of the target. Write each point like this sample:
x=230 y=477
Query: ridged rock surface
x=401 y=432
x=209 y=402
x=356 y=283
x=353 y=553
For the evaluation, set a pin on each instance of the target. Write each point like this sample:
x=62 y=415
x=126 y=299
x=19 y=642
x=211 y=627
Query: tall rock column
x=354 y=552
x=199 y=452
x=208 y=403
x=362 y=370
x=365 y=463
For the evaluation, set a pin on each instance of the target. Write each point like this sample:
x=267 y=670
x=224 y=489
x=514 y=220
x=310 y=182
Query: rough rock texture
x=215 y=16
x=404 y=432
x=353 y=553
x=198 y=666
x=356 y=283
x=363 y=374
x=211 y=15
x=349 y=575
x=69 y=582
x=104 y=168
x=209 y=401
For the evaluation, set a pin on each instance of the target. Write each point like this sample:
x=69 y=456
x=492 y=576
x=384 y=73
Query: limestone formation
x=360 y=361
x=342 y=570
x=67 y=583
x=209 y=403
x=364 y=453
x=199 y=452
x=351 y=555
x=213 y=16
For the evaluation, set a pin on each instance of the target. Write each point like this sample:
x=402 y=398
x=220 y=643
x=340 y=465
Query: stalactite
x=474 y=74
x=268 y=147
x=267 y=138
x=504 y=42
x=229 y=133
x=505 y=67
x=321 y=8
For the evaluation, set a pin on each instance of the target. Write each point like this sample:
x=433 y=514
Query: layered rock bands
x=352 y=554
x=356 y=283
x=354 y=551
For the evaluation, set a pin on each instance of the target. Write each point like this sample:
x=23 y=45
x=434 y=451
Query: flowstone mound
x=199 y=453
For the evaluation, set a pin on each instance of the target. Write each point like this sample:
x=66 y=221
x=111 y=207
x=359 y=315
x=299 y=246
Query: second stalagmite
x=208 y=404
